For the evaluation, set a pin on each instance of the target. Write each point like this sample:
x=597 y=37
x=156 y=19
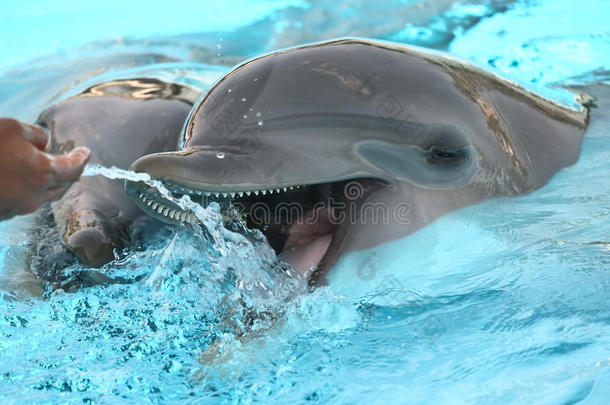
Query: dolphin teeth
x=149 y=202
x=154 y=205
x=264 y=192
x=241 y=193
x=223 y=194
x=160 y=209
x=248 y=192
x=206 y=193
x=284 y=188
x=171 y=214
x=217 y=194
x=256 y=192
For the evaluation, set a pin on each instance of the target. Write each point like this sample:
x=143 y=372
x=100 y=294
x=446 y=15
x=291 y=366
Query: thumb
x=68 y=168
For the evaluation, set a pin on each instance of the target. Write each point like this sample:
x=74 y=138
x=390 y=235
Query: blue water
x=503 y=302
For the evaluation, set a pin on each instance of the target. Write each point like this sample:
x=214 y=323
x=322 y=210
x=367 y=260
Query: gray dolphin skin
x=394 y=136
x=363 y=142
x=120 y=121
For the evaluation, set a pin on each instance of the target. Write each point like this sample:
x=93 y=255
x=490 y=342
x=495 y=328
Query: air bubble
x=220 y=155
x=260 y=123
x=258 y=114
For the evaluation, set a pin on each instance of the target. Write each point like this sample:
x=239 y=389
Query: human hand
x=29 y=177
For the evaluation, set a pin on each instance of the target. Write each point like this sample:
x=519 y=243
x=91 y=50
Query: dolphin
x=120 y=120
x=345 y=144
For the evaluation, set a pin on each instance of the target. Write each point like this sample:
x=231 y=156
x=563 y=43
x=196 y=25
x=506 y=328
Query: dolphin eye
x=442 y=156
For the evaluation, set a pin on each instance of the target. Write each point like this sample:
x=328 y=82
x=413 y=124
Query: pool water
x=503 y=302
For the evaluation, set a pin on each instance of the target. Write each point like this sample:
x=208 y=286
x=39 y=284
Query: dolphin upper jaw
x=221 y=174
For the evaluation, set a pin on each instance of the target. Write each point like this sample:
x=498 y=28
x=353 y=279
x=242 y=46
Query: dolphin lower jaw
x=300 y=239
x=165 y=210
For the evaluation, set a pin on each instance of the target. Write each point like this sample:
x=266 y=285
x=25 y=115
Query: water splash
x=249 y=248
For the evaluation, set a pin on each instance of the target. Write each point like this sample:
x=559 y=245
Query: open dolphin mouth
x=165 y=210
x=299 y=221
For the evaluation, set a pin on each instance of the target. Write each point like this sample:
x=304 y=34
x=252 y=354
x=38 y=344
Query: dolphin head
x=300 y=126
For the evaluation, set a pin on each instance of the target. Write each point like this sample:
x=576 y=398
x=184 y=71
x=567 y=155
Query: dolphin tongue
x=308 y=241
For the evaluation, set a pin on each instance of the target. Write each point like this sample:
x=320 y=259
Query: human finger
x=35 y=135
x=68 y=168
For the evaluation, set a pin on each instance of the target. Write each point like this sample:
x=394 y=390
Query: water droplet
x=260 y=123
x=243 y=99
x=250 y=109
x=256 y=79
x=245 y=116
x=230 y=90
x=258 y=114
x=220 y=155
